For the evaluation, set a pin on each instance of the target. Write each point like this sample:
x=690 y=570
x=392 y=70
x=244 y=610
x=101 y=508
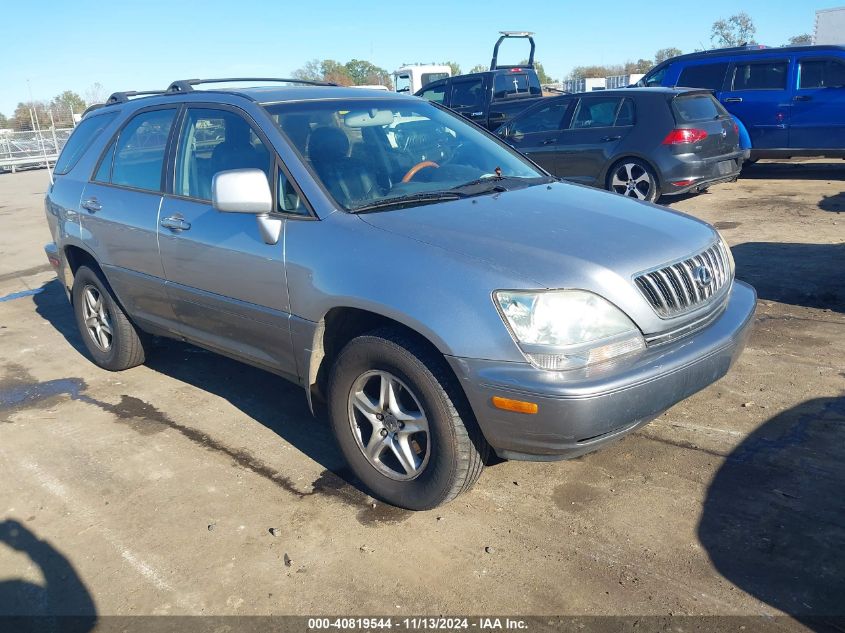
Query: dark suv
x=641 y=143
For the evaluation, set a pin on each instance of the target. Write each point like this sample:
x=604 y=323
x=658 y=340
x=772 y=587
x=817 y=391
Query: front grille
x=687 y=284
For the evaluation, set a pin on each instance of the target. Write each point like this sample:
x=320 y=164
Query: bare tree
x=734 y=31
x=95 y=94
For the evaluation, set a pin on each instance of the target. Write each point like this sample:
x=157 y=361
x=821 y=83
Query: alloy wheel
x=389 y=425
x=632 y=180
x=96 y=318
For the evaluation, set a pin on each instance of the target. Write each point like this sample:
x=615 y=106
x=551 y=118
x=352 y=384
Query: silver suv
x=440 y=293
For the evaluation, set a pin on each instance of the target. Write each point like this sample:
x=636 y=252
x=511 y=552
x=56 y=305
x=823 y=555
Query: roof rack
x=529 y=35
x=187 y=85
x=123 y=97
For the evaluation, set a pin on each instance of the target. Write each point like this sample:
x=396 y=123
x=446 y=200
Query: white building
x=830 y=26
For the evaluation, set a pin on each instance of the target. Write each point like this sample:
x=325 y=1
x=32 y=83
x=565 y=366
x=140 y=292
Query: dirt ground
x=153 y=491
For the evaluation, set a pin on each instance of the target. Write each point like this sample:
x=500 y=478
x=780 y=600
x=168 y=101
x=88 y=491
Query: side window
x=822 y=73
x=760 y=76
x=654 y=78
x=435 y=93
x=212 y=141
x=467 y=94
x=104 y=170
x=626 y=115
x=595 y=112
x=549 y=118
x=427 y=78
x=139 y=153
x=710 y=76
x=81 y=139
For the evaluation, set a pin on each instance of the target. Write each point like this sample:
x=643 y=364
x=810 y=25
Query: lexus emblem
x=702 y=276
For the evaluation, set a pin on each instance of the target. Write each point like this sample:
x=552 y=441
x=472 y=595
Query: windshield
x=368 y=152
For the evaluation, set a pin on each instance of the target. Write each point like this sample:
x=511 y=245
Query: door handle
x=91 y=204
x=732 y=100
x=175 y=223
x=607 y=139
x=549 y=141
x=803 y=97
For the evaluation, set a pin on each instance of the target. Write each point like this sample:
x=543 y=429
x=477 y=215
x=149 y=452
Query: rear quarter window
x=81 y=139
x=701 y=107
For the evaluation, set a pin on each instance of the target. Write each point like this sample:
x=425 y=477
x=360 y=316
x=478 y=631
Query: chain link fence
x=37 y=142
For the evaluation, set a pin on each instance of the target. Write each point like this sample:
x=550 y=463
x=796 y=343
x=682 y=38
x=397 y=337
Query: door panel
x=758 y=94
x=226 y=284
x=467 y=97
x=818 y=107
x=537 y=132
x=120 y=223
x=591 y=140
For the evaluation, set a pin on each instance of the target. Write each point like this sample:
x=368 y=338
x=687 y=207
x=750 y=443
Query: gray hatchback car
x=441 y=294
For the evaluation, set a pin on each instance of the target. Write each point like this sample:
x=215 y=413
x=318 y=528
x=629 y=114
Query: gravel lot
x=154 y=491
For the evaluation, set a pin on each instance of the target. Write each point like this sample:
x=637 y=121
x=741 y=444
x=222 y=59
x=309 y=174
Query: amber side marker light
x=519 y=406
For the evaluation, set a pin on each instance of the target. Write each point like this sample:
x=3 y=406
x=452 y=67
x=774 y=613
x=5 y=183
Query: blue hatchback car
x=791 y=100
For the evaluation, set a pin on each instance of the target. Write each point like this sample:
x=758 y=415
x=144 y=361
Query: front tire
x=402 y=422
x=111 y=339
x=634 y=178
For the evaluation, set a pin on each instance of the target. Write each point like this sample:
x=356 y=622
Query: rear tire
x=402 y=422
x=633 y=178
x=111 y=339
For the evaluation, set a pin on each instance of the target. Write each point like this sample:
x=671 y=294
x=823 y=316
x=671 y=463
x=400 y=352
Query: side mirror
x=247 y=191
x=241 y=191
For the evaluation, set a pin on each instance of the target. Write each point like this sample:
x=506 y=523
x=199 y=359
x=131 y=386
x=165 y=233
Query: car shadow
x=834 y=203
x=808 y=275
x=270 y=400
x=62 y=602
x=834 y=170
x=773 y=520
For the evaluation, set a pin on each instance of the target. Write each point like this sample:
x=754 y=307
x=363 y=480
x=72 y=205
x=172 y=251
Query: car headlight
x=567 y=329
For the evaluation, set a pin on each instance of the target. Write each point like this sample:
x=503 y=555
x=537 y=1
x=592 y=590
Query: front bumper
x=581 y=411
x=700 y=173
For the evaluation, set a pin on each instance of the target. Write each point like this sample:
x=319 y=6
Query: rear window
x=760 y=76
x=710 y=76
x=510 y=85
x=701 y=107
x=84 y=134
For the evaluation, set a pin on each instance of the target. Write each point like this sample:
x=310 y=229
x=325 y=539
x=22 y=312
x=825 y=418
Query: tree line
x=62 y=108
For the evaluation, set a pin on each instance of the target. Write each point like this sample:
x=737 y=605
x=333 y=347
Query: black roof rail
x=187 y=85
x=123 y=97
x=515 y=34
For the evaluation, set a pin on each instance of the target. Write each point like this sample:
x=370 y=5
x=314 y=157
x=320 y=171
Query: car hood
x=559 y=236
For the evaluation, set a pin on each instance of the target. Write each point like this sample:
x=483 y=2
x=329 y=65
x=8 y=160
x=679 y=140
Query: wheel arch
x=341 y=324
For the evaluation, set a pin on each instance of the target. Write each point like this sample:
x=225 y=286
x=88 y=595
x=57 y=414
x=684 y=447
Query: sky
x=146 y=44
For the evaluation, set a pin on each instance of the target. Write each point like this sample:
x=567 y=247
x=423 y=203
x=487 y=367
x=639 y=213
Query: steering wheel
x=416 y=168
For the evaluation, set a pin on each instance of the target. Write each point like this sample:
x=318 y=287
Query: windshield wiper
x=497 y=183
x=421 y=197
